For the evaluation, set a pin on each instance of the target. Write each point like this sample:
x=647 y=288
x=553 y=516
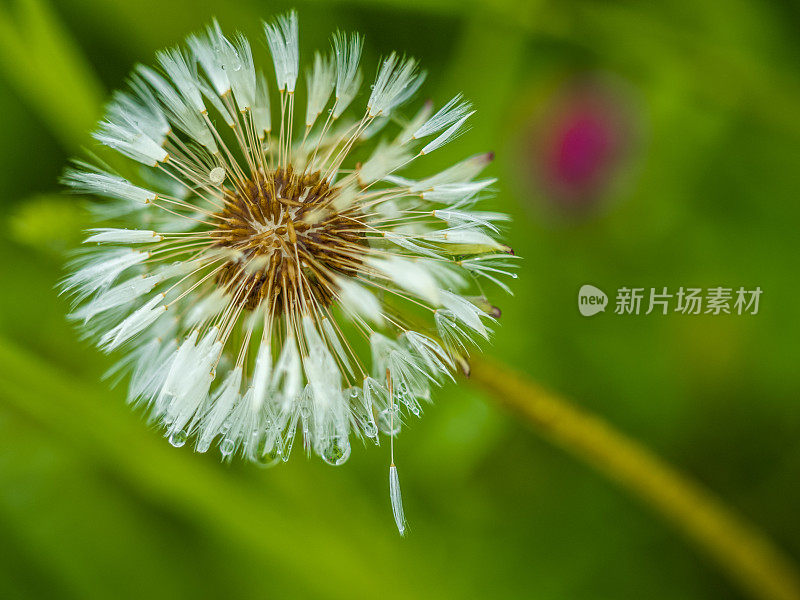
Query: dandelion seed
x=397 y=500
x=251 y=264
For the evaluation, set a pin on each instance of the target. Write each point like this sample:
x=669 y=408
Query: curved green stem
x=747 y=556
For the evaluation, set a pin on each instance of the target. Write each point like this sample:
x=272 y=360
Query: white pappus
x=264 y=284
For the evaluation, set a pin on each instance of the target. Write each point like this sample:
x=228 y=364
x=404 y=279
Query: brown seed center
x=289 y=241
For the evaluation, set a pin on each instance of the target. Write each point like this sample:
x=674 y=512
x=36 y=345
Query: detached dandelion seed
x=263 y=283
x=395 y=497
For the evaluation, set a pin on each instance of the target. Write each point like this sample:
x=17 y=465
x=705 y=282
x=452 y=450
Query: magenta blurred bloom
x=581 y=146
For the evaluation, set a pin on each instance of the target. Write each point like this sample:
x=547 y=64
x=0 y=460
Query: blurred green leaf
x=49 y=224
x=41 y=60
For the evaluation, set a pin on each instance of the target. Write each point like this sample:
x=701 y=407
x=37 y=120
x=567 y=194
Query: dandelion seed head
x=266 y=290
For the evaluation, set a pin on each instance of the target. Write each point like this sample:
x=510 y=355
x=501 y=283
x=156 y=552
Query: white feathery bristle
x=449 y=276
x=194 y=387
x=359 y=300
x=450 y=331
x=411 y=89
x=385 y=159
x=142 y=113
x=397 y=80
x=465 y=311
x=212 y=98
x=262 y=117
x=179 y=363
x=447 y=193
x=408 y=274
x=400 y=181
x=450 y=134
x=262 y=372
x=122 y=293
x=423 y=114
x=183 y=75
x=463 y=171
x=455 y=110
x=242 y=72
x=104 y=184
x=406 y=243
x=343 y=101
x=136 y=322
x=282 y=38
x=479 y=241
x=131 y=141
x=376 y=396
x=187 y=118
x=332 y=338
x=207 y=50
x=111 y=235
x=256 y=264
x=319 y=84
x=243 y=429
x=207 y=307
x=222 y=403
x=457 y=217
x=347 y=51
x=152 y=361
x=378 y=124
x=288 y=370
x=320 y=367
x=492 y=267
x=99 y=270
x=431 y=352
x=188 y=369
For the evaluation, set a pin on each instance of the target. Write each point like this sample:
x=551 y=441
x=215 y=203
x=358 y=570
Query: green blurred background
x=698 y=186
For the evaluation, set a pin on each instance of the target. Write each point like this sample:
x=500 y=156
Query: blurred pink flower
x=582 y=143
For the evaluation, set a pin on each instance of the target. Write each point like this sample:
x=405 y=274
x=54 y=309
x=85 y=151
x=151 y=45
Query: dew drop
x=217 y=175
x=178 y=438
x=268 y=458
x=336 y=452
x=226 y=447
x=287 y=444
x=385 y=422
x=370 y=429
